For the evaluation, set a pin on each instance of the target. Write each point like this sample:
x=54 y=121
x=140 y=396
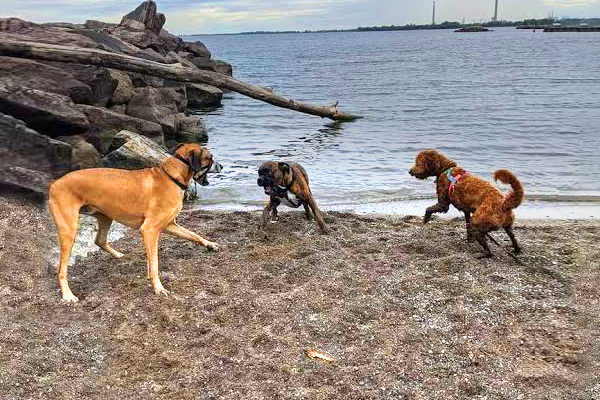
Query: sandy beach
x=405 y=310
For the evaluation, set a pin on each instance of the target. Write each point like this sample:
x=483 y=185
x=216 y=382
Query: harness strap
x=181 y=185
x=454 y=180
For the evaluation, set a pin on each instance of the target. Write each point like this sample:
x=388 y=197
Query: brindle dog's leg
x=307 y=212
x=313 y=205
x=273 y=203
x=513 y=239
x=274 y=216
x=437 y=208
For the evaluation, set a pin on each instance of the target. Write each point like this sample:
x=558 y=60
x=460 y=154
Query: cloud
x=570 y=3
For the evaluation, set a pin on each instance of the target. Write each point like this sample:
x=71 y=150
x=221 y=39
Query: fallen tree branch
x=51 y=52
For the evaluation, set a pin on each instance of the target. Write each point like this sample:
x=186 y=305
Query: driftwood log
x=176 y=72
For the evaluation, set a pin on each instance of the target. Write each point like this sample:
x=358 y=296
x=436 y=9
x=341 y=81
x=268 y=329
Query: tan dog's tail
x=515 y=197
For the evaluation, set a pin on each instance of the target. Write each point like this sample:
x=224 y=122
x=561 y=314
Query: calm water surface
x=511 y=99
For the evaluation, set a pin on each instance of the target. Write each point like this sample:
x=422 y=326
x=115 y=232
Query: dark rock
x=23 y=147
x=49 y=113
x=41 y=76
x=198 y=49
x=106 y=124
x=204 y=63
x=119 y=108
x=191 y=129
x=83 y=154
x=223 y=67
x=98 y=79
x=125 y=88
x=92 y=24
x=142 y=80
x=143 y=39
x=19 y=30
x=150 y=55
x=171 y=42
x=158 y=105
x=174 y=58
x=200 y=95
x=147 y=17
x=34 y=180
x=64 y=25
x=107 y=42
x=135 y=152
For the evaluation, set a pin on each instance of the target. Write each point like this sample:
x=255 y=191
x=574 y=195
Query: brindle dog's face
x=200 y=160
x=426 y=164
x=273 y=177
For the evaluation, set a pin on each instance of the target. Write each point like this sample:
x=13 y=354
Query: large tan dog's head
x=430 y=163
x=274 y=177
x=198 y=159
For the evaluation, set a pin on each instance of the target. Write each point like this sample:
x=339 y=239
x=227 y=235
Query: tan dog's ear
x=195 y=159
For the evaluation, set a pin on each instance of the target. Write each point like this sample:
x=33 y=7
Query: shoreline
x=534 y=210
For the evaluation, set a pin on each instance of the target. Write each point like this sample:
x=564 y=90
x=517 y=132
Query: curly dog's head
x=430 y=163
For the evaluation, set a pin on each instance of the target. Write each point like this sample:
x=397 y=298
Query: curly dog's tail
x=515 y=197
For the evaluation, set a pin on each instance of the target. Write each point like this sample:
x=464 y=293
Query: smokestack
x=495 y=12
x=433 y=18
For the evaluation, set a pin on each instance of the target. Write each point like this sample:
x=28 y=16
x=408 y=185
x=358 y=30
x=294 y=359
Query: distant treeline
x=443 y=25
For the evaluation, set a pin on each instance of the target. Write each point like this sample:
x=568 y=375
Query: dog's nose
x=410 y=171
x=259 y=181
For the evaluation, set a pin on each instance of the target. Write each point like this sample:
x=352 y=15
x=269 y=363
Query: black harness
x=182 y=186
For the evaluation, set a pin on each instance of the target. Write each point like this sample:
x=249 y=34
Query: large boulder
x=83 y=154
x=31 y=179
x=159 y=105
x=174 y=58
x=16 y=29
x=105 y=124
x=223 y=67
x=23 y=147
x=198 y=49
x=200 y=95
x=135 y=152
x=93 y=24
x=144 y=17
x=52 y=114
x=107 y=42
x=41 y=76
x=99 y=79
x=125 y=88
x=190 y=129
x=204 y=63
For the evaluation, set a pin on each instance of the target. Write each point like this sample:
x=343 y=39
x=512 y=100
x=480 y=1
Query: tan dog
x=470 y=194
x=287 y=183
x=147 y=199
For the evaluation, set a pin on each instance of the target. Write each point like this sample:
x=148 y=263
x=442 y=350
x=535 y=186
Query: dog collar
x=181 y=185
x=453 y=179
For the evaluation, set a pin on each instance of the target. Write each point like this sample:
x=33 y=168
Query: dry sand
x=405 y=309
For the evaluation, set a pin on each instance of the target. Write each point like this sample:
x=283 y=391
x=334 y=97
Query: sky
x=231 y=16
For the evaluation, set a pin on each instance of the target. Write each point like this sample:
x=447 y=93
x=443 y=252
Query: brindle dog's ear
x=195 y=159
x=284 y=167
x=175 y=148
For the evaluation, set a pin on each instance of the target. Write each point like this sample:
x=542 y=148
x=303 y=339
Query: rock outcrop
x=90 y=109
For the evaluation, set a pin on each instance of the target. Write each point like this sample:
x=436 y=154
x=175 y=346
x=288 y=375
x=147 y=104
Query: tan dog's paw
x=159 y=289
x=70 y=298
x=212 y=246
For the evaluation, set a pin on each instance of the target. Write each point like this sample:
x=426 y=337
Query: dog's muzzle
x=202 y=176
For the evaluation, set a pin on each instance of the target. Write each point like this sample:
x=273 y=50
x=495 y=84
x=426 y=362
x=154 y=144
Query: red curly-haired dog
x=470 y=194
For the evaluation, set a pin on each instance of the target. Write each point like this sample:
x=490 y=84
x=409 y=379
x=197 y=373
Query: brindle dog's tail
x=515 y=197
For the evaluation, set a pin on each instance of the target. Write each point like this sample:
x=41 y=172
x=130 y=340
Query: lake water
x=515 y=99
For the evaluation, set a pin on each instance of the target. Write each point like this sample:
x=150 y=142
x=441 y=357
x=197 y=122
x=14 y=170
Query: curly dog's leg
x=437 y=208
x=482 y=240
x=513 y=239
x=470 y=236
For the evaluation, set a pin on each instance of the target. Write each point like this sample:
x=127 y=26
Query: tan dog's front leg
x=183 y=233
x=150 y=236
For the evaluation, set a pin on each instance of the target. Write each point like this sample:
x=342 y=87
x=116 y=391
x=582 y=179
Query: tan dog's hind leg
x=65 y=216
x=150 y=236
x=183 y=233
x=101 y=237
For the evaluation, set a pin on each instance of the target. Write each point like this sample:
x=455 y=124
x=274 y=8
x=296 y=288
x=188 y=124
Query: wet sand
x=405 y=309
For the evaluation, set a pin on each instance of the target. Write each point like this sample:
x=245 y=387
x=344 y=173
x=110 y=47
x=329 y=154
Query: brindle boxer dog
x=287 y=183
x=146 y=199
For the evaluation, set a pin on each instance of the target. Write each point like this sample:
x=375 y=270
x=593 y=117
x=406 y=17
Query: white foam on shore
x=527 y=210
